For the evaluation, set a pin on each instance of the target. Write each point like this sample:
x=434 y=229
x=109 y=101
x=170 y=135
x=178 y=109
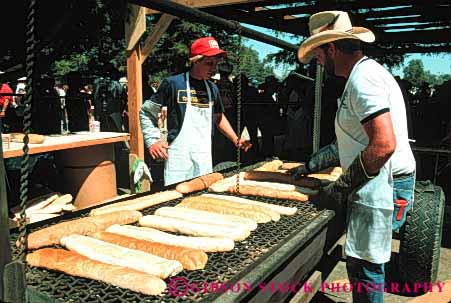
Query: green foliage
x=414 y=73
x=252 y=66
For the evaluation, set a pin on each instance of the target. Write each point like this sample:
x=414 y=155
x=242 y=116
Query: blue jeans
x=403 y=189
x=367 y=280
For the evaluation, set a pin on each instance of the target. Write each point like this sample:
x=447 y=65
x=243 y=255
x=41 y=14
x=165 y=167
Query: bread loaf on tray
x=283 y=210
x=204 y=204
x=201 y=216
x=117 y=255
x=181 y=226
x=52 y=234
x=268 y=193
x=77 y=265
x=282 y=178
x=138 y=203
x=226 y=203
x=191 y=259
x=199 y=183
x=206 y=244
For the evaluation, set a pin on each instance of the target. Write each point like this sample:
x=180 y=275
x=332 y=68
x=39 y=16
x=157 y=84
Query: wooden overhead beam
x=341 y=5
x=157 y=31
x=264 y=8
x=292 y=26
x=421 y=36
x=410 y=19
x=406 y=11
x=195 y=15
x=203 y=3
x=440 y=25
x=409 y=49
x=135 y=25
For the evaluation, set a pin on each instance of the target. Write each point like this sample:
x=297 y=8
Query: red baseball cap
x=207 y=46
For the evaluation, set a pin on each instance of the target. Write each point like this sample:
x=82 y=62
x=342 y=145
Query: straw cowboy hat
x=330 y=26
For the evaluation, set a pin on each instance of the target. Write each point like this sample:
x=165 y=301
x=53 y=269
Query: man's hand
x=159 y=150
x=2 y=114
x=243 y=144
x=299 y=171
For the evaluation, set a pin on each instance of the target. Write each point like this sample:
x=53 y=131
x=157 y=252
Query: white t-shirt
x=370 y=91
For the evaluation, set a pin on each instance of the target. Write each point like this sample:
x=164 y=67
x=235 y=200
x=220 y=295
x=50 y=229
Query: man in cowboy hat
x=373 y=151
x=193 y=105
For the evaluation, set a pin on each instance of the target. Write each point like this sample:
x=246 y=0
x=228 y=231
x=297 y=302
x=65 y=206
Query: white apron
x=189 y=155
x=370 y=208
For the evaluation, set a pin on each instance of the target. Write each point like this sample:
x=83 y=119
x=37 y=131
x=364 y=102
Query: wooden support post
x=135 y=100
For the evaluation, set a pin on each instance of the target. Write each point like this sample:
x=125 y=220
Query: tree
x=414 y=72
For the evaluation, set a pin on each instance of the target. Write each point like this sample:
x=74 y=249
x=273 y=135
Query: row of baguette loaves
x=116 y=244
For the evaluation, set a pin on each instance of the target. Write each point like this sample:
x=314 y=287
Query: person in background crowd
x=223 y=149
x=77 y=103
x=268 y=114
x=20 y=89
x=47 y=113
x=296 y=96
x=62 y=94
x=4 y=101
x=109 y=100
x=193 y=105
x=378 y=164
x=250 y=113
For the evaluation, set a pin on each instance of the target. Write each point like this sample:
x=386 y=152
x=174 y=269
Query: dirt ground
x=339 y=275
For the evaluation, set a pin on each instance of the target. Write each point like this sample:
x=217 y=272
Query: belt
x=400 y=176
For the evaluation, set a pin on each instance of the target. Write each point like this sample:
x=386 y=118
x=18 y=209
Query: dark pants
x=367 y=280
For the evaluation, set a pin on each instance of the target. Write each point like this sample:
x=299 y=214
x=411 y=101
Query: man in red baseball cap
x=193 y=104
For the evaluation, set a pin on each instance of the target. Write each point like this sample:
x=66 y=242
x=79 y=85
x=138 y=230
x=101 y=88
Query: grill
x=228 y=267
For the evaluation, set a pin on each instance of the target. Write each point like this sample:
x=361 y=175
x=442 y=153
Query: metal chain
x=317 y=108
x=24 y=170
x=238 y=105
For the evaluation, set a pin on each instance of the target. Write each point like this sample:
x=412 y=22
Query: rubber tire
x=421 y=235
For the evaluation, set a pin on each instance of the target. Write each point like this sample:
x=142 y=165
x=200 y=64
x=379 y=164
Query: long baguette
x=191 y=259
x=290 y=165
x=269 y=193
x=257 y=216
x=270 y=166
x=117 y=255
x=194 y=229
x=52 y=234
x=282 y=178
x=199 y=183
x=273 y=185
x=138 y=203
x=225 y=203
x=283 y=210
x=223 y=185
x=201 y=216
x=206 y=244
x=77 y=265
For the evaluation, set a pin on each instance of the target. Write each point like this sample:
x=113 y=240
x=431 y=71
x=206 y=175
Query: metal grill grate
x=221 y=267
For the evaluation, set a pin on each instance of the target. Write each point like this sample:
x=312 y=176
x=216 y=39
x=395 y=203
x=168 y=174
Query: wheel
x=421 y=235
